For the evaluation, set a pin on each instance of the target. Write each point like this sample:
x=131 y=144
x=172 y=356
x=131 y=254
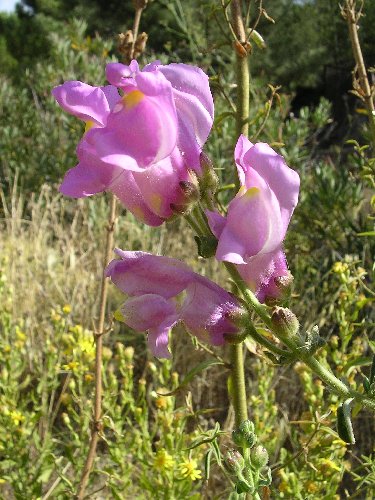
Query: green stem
x=261 y=309
x=323 y=372
x=243 y=83
x=242 y=75
x=238 y=383
x=193 y=223
x=201 y=218
x=252 y=332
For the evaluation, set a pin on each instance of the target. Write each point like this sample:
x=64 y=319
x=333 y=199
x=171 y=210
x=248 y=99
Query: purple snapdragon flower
x=152 y=284
x=144 y=134
x=254 y=228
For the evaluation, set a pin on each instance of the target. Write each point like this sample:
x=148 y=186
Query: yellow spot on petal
x=251 y=192
x=119 y=316
x=132 y=99
x=156 y=201
x=89 y=124
x=139 y=213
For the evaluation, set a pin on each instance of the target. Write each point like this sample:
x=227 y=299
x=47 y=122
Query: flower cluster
x=144 y=135
x=143 y=142
x=152 y=284
x=254 y=228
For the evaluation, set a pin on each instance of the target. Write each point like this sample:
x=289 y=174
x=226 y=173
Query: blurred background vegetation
x=51 y=259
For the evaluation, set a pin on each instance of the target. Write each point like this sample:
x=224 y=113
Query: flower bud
x=258 y=39
x=285 y=323
x=65 y=418
x=283 y=286
x=239 y=317
x=234 y=462
x=190 y=195
x=129 y=353
x=208 y=180
x=245 y=436
x=259 y=457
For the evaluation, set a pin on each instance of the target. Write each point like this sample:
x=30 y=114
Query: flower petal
x=143 y=125
x=120 y=75
x=160 y=184
x=205 y=311
x=216 y=222
x=84 y=180
x=195 y=109
x=148 y=311
x=84 y=101
x=271 y=167
x=139 y=273
x=260 y=272
x=157 y=340
x=253 y=225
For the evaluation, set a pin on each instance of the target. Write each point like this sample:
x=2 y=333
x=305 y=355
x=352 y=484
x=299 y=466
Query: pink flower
x=144 y=135
x=152 y=284
x=252 y=233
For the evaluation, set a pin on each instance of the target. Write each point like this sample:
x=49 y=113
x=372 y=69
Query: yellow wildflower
x=189 y=470
x=2 y=481
x=340 y=267
x=89 y=377
x=71 y=366
x=328 y=465
x=20 y=335
x=87 y=346
x=163 y=460
x=311 y=487
x=16 y=417
x=67 y=309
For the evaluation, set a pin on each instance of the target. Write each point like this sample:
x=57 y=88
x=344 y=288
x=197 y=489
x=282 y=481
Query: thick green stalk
x=242 y=113
x=243 y=87
x=238 y=383
x=242 y=73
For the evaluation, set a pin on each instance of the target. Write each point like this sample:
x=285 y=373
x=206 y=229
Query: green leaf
x=366 y=384
x=207 y=246
x=207 y=464
x=344 y=423
x=366 y=233
x=372 y=371
x=361 y=361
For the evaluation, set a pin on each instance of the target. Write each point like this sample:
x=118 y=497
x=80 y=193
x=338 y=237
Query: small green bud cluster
x=251 y=469
x=245 y=436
